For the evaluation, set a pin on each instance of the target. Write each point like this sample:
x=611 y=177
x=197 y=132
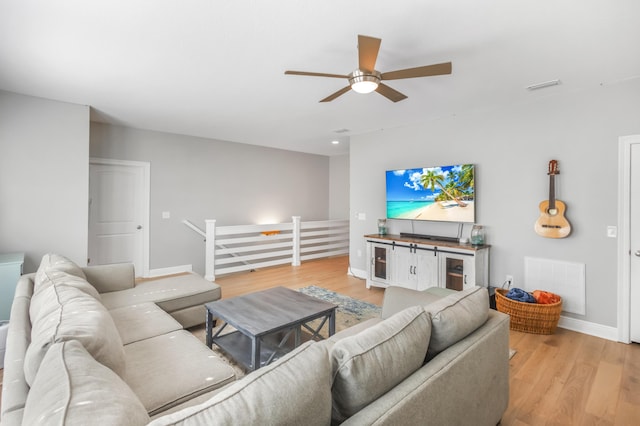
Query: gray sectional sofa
x=434 y=357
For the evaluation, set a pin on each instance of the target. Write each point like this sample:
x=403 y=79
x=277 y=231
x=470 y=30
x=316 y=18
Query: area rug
x=349 y=312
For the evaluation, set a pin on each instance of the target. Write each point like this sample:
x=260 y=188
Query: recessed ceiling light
x=543 y=85
x=335 y=142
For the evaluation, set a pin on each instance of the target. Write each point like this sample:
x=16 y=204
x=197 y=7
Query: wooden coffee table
x=265 y=321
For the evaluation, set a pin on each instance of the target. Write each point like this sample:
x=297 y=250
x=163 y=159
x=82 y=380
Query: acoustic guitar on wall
x=552 y=223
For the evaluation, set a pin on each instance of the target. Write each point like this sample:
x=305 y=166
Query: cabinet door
x=379 y=265
x=426 y=269
x=404 y=267
x=457 y=271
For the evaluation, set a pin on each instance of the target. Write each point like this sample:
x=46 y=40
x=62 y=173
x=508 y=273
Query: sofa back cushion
x=65 y=313
x=372 y=362
x=293 y=391
x=72 y=388
x=455 y=316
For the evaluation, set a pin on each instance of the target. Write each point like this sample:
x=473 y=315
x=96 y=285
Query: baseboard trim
x=590 y=328
x=169 y=271
x=358 y=273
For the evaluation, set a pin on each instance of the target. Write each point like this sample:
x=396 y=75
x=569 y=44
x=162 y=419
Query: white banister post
x=210 y=251
x=296 y=241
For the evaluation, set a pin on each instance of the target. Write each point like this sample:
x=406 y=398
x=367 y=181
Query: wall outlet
x=509 y=281
x=359 y=253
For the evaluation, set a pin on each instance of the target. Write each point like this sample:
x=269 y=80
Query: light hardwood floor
x=564 y=379
x=567 y=378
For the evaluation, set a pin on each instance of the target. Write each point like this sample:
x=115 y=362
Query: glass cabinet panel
x=454 y=278
x=380 y=262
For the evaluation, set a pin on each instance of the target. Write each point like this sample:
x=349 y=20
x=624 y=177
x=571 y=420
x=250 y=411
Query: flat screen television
x=444 y=193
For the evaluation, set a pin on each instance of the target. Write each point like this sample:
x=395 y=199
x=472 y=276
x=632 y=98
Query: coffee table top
x=270 y=310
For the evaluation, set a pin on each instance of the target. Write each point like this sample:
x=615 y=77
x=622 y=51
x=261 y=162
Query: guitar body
x=552 y=224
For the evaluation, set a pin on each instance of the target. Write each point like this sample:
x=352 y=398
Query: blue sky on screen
x=404 y=185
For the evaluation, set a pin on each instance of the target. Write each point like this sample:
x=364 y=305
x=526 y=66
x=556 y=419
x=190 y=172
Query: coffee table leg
x=332 y=323
x=297 y=335
x=255 y=352
x=209 y=329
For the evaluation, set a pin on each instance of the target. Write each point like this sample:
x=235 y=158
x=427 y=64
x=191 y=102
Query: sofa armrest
x=397 y=299
x=108 y=278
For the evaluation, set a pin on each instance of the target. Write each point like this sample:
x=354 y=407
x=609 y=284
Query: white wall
x=339 y=187
x=511 y=148
x=198 y=179
x=44 y=175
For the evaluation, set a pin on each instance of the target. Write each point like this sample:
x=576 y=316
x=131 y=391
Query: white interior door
x=634 y=228
x=118 y=213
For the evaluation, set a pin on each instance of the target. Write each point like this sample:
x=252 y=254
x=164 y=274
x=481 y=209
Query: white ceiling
x=215 y=68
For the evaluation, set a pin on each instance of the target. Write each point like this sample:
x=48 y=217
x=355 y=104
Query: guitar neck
x=552 y=192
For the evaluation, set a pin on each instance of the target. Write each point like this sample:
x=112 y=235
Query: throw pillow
x=56 y=262
x=369 y=364
x=72 y=388
x=66 y=313
x=293 y=391
x=58 y=270
x=456 y=316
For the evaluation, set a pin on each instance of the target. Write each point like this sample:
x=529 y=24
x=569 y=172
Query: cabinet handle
x=465 y=278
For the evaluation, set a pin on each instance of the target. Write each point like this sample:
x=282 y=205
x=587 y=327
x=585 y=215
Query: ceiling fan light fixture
x=364 y=83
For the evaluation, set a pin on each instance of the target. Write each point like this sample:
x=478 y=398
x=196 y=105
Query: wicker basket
x=529 y=317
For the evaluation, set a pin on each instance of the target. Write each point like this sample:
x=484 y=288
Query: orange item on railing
x=545 y=297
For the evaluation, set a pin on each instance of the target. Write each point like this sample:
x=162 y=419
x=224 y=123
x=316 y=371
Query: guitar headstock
x=553 y=168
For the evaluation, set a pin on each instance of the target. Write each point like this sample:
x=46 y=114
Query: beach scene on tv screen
x=445 y=193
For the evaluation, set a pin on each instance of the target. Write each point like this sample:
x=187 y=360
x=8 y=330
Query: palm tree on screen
x=430 y=179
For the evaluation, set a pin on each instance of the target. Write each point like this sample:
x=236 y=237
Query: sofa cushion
x=141 y=321
x=58 y=270
x=455 y=316
x=171 y=294
x=58 y=278
x=67 y=313
x=369 y=364
x=295 y=390
x=398 y=298
x=113 y=277
x=72 y=388
x=166 y=370
x=56 y=262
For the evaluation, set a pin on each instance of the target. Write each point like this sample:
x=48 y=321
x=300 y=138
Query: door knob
x=139 y=227
x=637 y=253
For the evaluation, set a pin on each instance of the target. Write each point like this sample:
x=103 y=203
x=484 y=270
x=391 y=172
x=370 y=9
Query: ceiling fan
x=366 y=78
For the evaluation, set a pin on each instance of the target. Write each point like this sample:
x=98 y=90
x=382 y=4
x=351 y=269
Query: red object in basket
x=545 y=297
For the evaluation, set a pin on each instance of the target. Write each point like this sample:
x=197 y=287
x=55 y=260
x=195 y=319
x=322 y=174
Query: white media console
x=420 y=263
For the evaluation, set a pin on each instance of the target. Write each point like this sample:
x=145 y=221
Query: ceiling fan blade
x=335 y=95
x=426 y=71
x=389 y=93
x=315 y=74
x=368 y=48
